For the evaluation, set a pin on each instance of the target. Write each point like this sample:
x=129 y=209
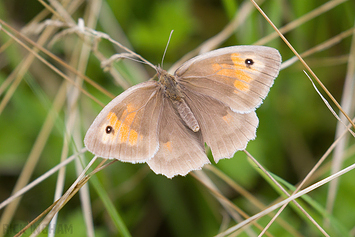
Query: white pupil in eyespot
x=108 y=129
x=249 y=61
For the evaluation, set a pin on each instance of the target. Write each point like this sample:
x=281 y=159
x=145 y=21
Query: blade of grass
x=287 y=200
x=347 y=102
x=110 y=207
x=34 y=156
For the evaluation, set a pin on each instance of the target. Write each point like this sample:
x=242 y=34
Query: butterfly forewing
x=127 y=128
x=238 y=76
x=180 y=149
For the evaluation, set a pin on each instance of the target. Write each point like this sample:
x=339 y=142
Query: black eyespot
x=249 y=61
x=109 y=129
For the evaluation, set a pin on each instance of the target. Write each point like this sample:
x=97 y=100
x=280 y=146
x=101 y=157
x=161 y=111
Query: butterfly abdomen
x=172 y=90
x=186 y=115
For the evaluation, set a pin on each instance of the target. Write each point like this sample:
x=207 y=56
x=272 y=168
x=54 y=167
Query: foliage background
x=295 y=130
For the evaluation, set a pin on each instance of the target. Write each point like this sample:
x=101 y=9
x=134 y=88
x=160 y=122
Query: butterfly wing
x=180 y=149
x=238 y=76
x=222 y=88
x=224 y=130
x=127 y=128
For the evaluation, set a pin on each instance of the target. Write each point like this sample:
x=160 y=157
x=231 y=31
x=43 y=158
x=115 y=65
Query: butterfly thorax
x=172 y=90
x=170 y=86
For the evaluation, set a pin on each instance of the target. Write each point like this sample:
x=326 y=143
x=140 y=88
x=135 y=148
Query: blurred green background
x=295 y=128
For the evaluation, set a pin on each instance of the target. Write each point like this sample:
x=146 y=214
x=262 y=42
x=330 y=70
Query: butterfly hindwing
x=223 y=130
x=180 y=149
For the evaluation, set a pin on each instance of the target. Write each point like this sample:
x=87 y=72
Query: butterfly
x=210 y=99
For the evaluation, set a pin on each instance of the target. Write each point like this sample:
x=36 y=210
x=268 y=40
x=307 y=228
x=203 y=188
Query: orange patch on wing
x=112 y=118
x=126 y=133
x=122 y=126
x=128 y=116
x=216 y=67
x=243 y=76
x=234 y=71
x=133 y=138
x=168 y=146
x=242 y=86
x=227 y=72
x=238 y=61
x=227 y=118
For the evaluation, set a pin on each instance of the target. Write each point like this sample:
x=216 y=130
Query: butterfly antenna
x=166 y=48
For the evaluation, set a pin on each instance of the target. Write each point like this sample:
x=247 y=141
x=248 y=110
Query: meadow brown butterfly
x=210 y=99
